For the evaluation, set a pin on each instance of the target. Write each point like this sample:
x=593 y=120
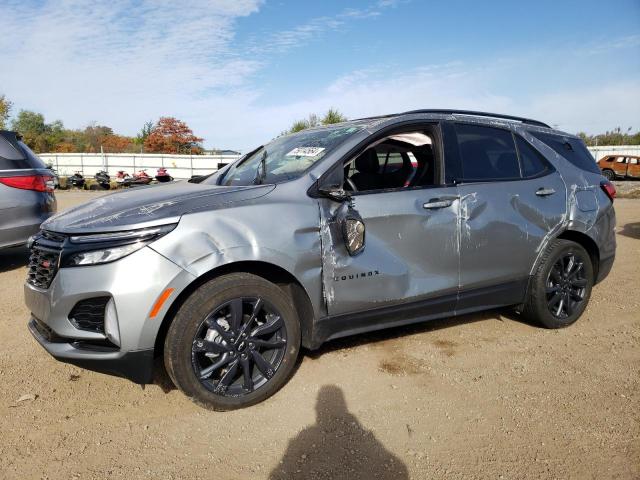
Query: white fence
x=599 y=152
x=178 y=166
x=185 y=166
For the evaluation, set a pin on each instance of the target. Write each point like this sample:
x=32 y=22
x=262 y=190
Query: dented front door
x=411 y=252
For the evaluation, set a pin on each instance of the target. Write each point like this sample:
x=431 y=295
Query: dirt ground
x=482 y=396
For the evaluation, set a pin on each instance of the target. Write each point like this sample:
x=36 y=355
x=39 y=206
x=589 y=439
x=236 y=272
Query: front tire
x=233 y=343
x=561 y=286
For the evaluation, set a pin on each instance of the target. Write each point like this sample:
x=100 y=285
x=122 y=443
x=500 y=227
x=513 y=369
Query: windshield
x=287 y=157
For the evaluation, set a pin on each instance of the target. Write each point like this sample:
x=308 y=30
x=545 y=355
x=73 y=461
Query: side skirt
x=486 y=298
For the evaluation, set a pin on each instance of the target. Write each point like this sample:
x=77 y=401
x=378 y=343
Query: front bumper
x=133 y=284
x=136 y=366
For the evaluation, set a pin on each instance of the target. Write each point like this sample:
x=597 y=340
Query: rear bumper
x=136 y=366
x=605 y=268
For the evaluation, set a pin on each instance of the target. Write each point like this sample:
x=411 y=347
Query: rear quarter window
x=572 y=149
x=15 y=155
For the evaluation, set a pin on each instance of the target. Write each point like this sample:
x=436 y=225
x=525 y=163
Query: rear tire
x=609 y=174
x=233 y=343
x=561 y=286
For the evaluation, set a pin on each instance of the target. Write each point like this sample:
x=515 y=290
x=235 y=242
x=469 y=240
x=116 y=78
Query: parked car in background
x=620 y=166
x=328 y=232
x=26 y=191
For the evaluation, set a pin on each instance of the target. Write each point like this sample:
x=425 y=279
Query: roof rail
x=480 y=114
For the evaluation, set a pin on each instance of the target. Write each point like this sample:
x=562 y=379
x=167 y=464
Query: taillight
x=608 y=188
x=39 y=183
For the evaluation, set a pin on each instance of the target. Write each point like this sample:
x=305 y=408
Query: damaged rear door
x=511 y=200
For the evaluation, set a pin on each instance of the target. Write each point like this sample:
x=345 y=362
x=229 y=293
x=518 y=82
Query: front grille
x=44 y=259
x=88 y=314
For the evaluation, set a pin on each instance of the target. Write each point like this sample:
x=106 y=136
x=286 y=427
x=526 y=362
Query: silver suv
x=328 y=232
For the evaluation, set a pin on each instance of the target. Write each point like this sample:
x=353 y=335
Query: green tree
x=33 y=129
x=614 y=137
x=333 y=116
x=5 y=110
x=146 y=130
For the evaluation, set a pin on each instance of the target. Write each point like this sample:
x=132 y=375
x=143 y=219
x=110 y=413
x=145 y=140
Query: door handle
x=438 y=203
x=544 y=192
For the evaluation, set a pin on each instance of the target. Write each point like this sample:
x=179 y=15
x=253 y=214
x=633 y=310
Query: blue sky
x=241 y=71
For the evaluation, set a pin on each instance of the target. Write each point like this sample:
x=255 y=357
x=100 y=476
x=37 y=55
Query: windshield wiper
x=261 y=171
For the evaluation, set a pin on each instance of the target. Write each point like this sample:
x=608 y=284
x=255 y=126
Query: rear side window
x=533 y=164
x=15 y=155
x=573 y=149
x=8 y=151
x=487 y=153
x=33 y=160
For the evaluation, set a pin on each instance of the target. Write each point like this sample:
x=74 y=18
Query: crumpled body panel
x=140 y=207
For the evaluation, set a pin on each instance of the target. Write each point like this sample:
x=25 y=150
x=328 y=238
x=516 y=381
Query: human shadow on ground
x=337 y=447
x=12 y=258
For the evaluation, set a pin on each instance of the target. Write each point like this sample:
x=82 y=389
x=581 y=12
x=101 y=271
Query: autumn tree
x=117 y=144
x=171 y=135
x=95 y=136
x=5 y=111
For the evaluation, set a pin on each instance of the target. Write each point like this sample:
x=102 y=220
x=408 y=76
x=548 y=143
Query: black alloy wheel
x=566 y=285
x=239 y=346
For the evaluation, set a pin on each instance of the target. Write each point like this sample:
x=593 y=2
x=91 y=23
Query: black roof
x=528 y=121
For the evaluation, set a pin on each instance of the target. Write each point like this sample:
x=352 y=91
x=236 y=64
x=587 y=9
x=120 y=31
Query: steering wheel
x=351 y=185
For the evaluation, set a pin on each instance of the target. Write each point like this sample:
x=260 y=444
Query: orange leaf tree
x=171 y=135
x=117 y=144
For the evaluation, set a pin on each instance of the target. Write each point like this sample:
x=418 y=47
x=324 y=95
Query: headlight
x=101 y=248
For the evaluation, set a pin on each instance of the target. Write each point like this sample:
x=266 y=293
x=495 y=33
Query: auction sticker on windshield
x=305 y=152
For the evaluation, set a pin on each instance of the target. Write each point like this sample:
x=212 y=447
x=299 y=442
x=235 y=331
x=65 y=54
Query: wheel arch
x=270 y=272
x=581 y=239
x=586 y=242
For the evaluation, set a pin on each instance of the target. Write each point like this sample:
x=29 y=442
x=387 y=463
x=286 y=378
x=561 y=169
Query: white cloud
x=129 y=61
x=122 y=61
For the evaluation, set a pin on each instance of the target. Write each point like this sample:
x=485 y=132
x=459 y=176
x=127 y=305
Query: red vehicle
x=163 y=176
x=123 y=178
x=620 y=166
x=141 y=178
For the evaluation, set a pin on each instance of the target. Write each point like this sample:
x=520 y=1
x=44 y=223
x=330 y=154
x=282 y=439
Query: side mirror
x=334 y=192
x=352 y=228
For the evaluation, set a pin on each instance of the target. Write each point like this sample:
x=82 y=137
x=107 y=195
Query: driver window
x=398 y=161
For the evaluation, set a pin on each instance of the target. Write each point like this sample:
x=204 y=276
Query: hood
x=149 y=206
